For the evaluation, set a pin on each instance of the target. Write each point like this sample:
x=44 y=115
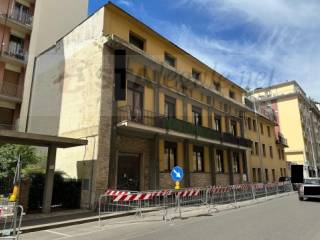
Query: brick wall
x=237 y=179
x=165 y=181
x=200 y=179
x=138 y=146
x=222 y=179
x=101 y=168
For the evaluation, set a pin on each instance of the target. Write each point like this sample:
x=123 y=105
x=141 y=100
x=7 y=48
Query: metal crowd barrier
x=116 y=201
x=10 y=219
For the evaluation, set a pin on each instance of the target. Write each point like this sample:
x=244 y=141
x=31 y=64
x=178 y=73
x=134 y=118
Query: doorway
x=128 y=176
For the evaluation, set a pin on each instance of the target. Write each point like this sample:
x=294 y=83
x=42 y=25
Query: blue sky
x=253 y=43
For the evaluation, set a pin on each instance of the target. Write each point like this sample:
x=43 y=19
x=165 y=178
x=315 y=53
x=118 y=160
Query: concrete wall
x=66 y=99
x=51 y=21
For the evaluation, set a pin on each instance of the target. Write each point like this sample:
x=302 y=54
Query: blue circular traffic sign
x=177 y=174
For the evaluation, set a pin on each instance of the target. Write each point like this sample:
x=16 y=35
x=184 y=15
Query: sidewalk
x=38 y=222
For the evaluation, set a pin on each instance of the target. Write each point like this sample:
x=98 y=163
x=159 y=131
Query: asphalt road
x=282 y=219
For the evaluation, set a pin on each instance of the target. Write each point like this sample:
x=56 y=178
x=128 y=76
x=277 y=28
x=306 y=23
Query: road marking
x=58 y=233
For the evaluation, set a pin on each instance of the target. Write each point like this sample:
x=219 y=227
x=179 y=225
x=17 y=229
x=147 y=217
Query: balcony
x=150 y=119
x=19 y=20
x=10 y=90
x=282 y=140
x=7 y=126
x=15 y=57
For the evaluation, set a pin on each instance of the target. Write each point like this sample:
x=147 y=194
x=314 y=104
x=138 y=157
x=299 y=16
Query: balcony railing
x=9 y=89
x=151 y=119
x=7 y=126
x=22 y=17
x=282 y=140
x=19 y=55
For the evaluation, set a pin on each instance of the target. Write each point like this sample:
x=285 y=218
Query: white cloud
x=287 y=47
x=127 y=3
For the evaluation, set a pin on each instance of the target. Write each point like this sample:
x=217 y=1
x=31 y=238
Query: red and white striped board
x=258 y=186
x=241 y=187
x=115 y=193
x=134 y=197
x=220 y=189
x=188 y=193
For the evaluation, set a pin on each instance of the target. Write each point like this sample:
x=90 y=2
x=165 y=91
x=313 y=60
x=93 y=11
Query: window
x=233 y=128
x=217 y=86
x=219 y=161
x=285 y=172
x=249 y=124
x=271 y=151
x=170 y=156
x=269 y=131
x=259 y=175
x=170 y=107
x=10 y=83
x=6 y=118
x=196 y=74
x=264 y=150
x=273 y=175
x=170 y=60
x=254 y=175
x=198 y=161
x=281 y=172
x=16 y=46
x=232 y=94
x=217 y=123
x=196 y=116
x=261 y=128
x=21 y=13
x=254 y=123
x=236 y=163
x=136 y=40
x=257 y=148
x=267 y=175
x=283 y=155
x=135 y=101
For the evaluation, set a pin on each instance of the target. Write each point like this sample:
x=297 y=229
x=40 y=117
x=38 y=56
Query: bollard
x=253 y=192
x=266 y=190
x=234 y=196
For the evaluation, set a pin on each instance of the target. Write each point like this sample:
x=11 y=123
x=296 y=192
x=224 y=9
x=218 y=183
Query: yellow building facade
x=267 y=157
x=144 y=105
x=299 y=120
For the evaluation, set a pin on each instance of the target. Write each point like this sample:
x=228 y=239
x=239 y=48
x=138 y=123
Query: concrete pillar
x=242 y=125
x=210 y=110
x=230 y=167
x=212 y=154
x=154 y=164
x=49 y=178
x=186 y=164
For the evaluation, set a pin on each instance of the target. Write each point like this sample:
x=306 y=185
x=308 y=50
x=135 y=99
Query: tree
x=9 y=154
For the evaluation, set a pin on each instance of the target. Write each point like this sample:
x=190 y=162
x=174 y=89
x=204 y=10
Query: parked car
x=309 y=189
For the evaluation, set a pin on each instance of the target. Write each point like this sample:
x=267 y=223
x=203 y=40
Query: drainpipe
x=312 y=147
x=259 y=140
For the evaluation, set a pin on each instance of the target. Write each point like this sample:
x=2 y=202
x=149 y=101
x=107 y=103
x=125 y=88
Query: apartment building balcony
x=7 y=127
x=282 y=140
x=18 y=20
x=10 y=91
x=14 y=57
x=147 y=121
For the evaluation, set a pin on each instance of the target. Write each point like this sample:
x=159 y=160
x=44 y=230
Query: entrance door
x=128 y=172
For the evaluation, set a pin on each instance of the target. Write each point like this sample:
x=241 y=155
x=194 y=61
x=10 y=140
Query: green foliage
x=9 y=154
